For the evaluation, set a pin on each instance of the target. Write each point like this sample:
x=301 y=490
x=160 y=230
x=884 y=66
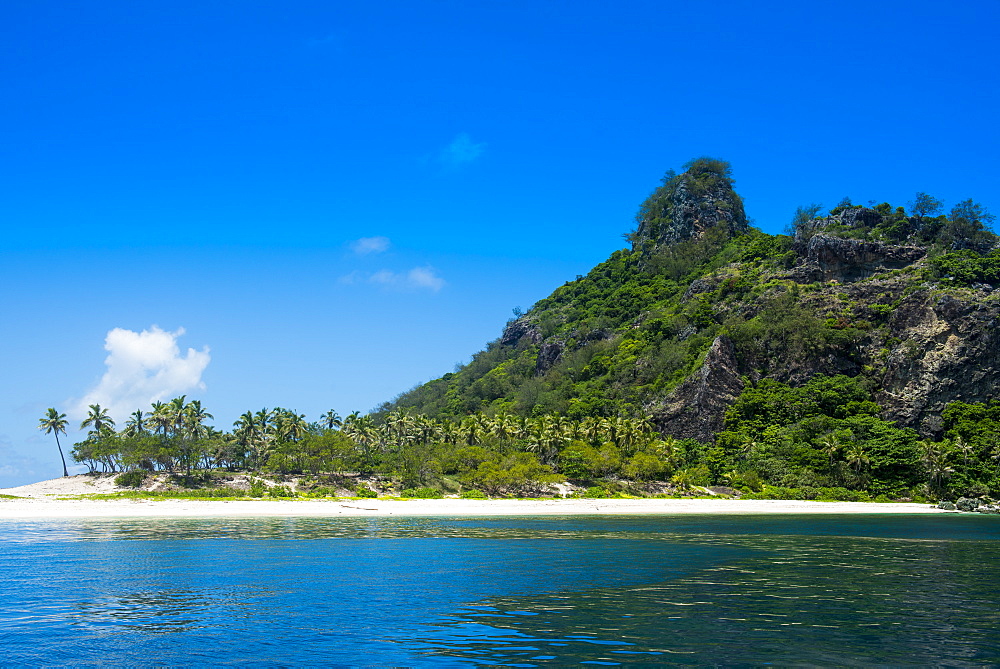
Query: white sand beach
x=42 y=500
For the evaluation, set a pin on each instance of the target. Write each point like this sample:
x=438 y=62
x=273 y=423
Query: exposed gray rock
x=696 y=407
x=520 y=329
x=548 y=355
x=686 y=208
x=948 y=350
x=947 y=506
x=829 y=258
x=703 y=285
x=859 y=217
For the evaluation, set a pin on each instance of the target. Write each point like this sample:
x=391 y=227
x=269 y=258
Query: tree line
x=498 y=454
x=824 y=438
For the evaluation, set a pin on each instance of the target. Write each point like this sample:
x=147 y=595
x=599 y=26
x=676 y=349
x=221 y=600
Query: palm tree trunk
x=61 y=456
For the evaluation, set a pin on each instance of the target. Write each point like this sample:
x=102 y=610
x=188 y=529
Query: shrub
x=841 y=495
x=776 y=492
x=595 y=492
x=366 y=492
x=132 y=479
x=421 y=493
x=473 y=494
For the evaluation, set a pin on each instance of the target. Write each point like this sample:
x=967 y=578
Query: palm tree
x=160 y=417
x=195 y=416
x=245 y=433
x=295 y=426
x=99 y=419
x=964 y=448
x=935 y=458
x=175 y=411
x=831 y=445
x=136 y=424
x=331 y=420
x=55 y=422
x=857 y=457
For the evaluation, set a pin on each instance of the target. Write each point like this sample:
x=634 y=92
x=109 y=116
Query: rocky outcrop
x=696 y=408
x=518 y=330
x=948 y=350
x=548 y=355
x=690 y=204
x=826 y=258
x=693 y=214
x=854 y=218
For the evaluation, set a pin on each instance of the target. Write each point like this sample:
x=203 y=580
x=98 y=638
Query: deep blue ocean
x=729 y=590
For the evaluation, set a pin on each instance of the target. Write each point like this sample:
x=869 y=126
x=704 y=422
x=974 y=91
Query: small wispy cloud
x=418 y=278
x=367 y=245
x=385 y=277
x=424 y=277
x=142 y=368
x=461 y=151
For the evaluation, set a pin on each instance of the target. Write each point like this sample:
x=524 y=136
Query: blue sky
x=199 y=175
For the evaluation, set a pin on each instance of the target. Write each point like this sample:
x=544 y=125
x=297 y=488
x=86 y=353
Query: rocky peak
x=689 y=204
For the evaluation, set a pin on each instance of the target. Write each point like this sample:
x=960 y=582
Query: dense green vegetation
x=821 y=440
x=570 y=390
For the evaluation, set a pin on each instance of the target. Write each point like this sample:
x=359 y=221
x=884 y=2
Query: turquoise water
x=733 y=590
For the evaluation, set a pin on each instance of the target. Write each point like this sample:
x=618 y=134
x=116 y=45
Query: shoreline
x=42 y=500
x=40 y=508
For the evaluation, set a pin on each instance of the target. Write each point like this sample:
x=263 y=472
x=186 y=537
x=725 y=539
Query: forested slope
x=703 y=307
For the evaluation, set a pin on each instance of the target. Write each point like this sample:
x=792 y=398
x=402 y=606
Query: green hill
x=704 y=307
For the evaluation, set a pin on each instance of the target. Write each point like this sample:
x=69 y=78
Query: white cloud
x=462 y=150
x=367 y=245
x=142 y=368
x=418 y=278
x=424 y=277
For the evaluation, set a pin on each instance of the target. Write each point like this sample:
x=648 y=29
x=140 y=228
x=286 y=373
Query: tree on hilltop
x=925 y=205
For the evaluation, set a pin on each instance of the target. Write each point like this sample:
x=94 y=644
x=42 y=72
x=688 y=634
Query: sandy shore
x=40 y=500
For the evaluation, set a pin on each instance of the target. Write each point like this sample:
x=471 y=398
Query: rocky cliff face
x=943 y=347
x=697 y=407
x=828 y=258
x=925 y=346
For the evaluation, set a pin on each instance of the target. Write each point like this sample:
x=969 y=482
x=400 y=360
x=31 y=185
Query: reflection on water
x=512 y=591
x=829 y=602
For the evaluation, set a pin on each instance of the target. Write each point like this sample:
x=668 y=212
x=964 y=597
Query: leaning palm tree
x=55 y=422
